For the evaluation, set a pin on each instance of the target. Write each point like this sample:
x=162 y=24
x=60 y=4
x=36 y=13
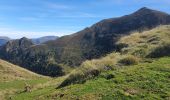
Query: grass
x=48 y=87
x=10 y=72
x=147 y=81
x=14 y=78
x=142 y=44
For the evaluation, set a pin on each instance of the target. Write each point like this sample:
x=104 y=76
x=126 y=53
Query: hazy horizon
x=33 y=19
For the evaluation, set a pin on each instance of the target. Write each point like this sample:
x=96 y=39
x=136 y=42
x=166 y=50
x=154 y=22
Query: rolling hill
x=14 y=79
x=9 y=72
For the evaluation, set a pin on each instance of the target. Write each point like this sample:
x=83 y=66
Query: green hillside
x=136 y=72
x=146 y=81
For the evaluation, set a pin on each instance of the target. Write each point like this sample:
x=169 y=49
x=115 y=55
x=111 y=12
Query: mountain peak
x=144 y=10
x=24 y=38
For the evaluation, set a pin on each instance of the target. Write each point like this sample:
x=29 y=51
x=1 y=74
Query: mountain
x=100 y=38
x=3 y=40
x=128 y=74
x=44 y=39
x=40 y=40
x=23 y=52
x=93 y=42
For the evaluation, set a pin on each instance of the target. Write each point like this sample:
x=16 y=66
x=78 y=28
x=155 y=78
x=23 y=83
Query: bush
x=27 y=88
x=129 y=60
x=140 y=52
x=79 y=77
x=160 y=51
x=90 y=69
x=110 y=76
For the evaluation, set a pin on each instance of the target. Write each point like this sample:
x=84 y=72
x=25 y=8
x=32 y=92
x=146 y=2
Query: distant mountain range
x=4 y=40
x=93 y=42
x=44 y=39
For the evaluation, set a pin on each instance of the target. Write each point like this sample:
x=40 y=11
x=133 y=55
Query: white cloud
x=13 y=33
x=20 y=34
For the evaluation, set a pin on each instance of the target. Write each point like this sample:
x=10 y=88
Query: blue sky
x=36 y=18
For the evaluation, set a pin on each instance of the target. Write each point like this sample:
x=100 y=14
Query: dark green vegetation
x=93 y=42
x=18 y=52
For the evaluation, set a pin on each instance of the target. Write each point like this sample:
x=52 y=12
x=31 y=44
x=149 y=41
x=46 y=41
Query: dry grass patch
x=141 y=44
x=9 y=72
x=129 y=60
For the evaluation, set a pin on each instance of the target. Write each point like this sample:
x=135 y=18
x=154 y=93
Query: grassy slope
x=141 y=44
x=14 y=78
x=10 y=72
x=147 y=81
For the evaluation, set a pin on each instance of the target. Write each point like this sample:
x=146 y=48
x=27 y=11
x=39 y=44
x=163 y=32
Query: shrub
x=90 y=69
x=79 y=77
x=110 y=76
x=140 y=52
x=27 y=88
x=129 y=60
x=160 y=51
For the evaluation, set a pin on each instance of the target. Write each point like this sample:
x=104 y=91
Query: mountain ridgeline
x=3 y=40
x=72 y=50
x=43 y=39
